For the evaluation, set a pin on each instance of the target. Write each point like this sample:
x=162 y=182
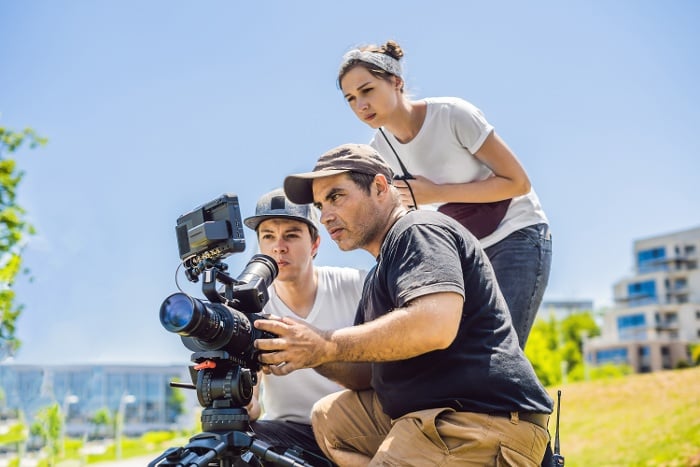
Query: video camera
x=205 y=236
x=221 y=334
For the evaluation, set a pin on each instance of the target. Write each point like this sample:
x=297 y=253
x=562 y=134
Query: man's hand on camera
x=297 y=345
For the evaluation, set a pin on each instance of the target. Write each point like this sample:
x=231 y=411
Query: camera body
x=219 y=330
x=221 y=333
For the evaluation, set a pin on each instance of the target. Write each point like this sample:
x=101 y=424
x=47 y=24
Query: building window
x=644 y=353
x=680 y=283
x=616 y=356
x=651 y=260
x=631 y=327
x=666 y=361
x=689 y=249
x=641 y=293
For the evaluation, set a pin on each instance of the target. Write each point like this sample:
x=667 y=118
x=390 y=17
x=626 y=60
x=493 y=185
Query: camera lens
x=206 y=326
x=190 y=317
x=176 y=312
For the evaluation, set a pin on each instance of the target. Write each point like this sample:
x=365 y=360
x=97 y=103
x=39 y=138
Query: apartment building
x=141 y=393
x=657 y=310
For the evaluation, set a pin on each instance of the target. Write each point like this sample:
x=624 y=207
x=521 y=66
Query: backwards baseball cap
x=274 y=205
x=359 y=158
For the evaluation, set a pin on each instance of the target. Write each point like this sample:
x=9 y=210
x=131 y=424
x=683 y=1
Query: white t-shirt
x=443 y=151
x=290 y=397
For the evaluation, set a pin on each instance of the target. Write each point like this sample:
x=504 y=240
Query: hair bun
x=393 y=49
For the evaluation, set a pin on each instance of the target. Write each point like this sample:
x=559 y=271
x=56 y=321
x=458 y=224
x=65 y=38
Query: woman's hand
x=508 y=181
x=423 y=191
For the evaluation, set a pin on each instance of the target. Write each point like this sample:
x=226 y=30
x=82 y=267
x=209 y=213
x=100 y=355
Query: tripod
x=225 y=365
x=225 y=448
x=223 y=387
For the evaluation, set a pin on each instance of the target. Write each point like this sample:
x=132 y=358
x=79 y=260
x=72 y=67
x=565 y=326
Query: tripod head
x=223 y=388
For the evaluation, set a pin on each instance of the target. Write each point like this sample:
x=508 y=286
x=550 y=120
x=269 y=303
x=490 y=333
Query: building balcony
x=679 y=262
x=636 y=300
x=666 y=326
x=679 y=290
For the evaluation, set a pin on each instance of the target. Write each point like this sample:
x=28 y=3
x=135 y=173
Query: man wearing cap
x=321 y=296
x=433 y=366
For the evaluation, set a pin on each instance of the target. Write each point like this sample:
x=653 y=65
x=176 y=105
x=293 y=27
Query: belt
x=539 y=419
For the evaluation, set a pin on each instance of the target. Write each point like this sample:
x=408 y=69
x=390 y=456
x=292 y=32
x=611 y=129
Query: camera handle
x=237 y=294
x=215 y=274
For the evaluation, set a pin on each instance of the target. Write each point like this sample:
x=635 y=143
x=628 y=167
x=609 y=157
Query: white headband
x=383 y=61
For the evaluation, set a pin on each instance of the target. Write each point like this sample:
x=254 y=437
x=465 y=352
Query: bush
x=695 y=353
x=682 y=364
x=158 y=437
x=609 y=371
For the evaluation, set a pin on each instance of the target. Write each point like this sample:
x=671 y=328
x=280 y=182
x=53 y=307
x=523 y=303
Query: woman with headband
x=447 y=155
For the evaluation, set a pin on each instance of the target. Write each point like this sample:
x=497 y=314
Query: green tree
x=556 y=347
x=575 y=328
x=14 y=229
x=176 y=401
x=48 y=424
x=695 y=353
x=101 y=420
x=542 y=350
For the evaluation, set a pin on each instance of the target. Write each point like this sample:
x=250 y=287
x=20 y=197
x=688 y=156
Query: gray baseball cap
x=360 y=158
x=276 y=205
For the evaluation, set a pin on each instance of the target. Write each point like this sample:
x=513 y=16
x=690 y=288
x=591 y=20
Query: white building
x=657 y=310
x=82 y=390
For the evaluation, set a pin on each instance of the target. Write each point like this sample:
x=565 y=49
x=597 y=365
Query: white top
x=443 y=151
x=290 y=397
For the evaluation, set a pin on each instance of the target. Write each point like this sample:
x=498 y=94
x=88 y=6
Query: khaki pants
x=351 y=429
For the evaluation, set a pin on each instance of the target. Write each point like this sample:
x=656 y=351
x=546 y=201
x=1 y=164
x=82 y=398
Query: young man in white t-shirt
x=325 y=297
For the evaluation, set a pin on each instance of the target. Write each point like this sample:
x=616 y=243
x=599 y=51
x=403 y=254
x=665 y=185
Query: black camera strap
x=406 y=174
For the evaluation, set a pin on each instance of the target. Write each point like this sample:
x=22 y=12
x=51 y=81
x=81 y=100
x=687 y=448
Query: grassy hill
x=639 y=420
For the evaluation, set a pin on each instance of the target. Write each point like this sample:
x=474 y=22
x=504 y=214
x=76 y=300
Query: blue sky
x=153 y=108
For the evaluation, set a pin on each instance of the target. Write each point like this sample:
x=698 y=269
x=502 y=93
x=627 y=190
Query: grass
x=637 y=420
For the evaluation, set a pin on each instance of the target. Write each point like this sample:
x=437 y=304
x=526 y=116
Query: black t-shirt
x=483 y=370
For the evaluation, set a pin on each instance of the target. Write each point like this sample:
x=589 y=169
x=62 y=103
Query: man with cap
x=321 y=296
x=434 y=372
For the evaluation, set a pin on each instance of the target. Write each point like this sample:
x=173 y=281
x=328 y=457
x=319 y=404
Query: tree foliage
x=555 y=348
x=102 y=419
x=14 y=230
x=48 y=425
x=176 y=401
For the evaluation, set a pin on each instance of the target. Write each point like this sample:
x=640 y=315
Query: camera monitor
x=211 y=231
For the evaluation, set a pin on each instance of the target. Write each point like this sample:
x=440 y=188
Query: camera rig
x=221 y=334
